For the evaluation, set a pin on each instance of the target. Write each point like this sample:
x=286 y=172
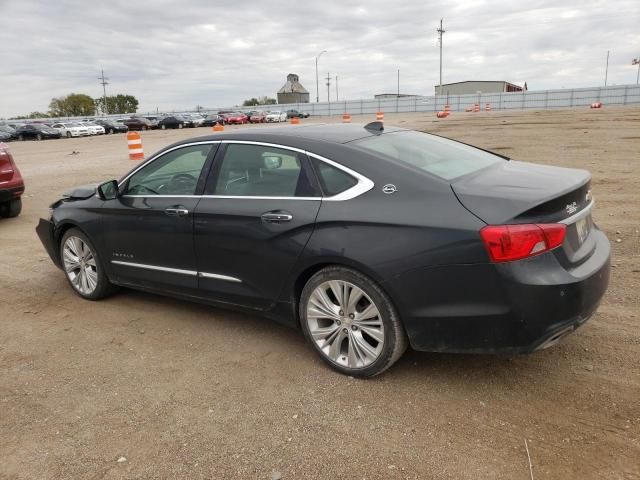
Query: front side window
x=439 y=156
x=174 y=173
x=261 y=171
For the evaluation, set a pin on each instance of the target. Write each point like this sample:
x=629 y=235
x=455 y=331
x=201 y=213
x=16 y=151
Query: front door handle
x=277 y=217
x=179 y=211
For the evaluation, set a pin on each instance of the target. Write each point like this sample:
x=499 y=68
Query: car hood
x=500 y=193
x=81 y=192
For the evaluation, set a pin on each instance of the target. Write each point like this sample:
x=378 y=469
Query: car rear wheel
x=11 y=209
x=68 y=134
x=82 y=266
x=351 y=322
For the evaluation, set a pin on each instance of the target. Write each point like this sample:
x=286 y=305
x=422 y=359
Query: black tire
x=111 y=131
x=103 y=287
x=21 y=137
x=11 y=209
x=68 y=134
x=39 y=136
x=163 y=127
x=395 y=339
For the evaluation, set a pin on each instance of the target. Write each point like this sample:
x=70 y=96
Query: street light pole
x=317 y=83
x=636 y=61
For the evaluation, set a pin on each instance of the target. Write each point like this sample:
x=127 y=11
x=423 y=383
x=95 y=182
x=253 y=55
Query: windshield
x=439 y=156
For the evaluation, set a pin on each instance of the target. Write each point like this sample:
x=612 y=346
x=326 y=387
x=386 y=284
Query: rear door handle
x=277 y=217
x=176 y=211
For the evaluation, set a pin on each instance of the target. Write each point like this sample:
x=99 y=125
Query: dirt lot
x=188 y=391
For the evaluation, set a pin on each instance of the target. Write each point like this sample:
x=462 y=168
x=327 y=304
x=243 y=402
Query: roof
x=478 y=81
x=293 y=85
x=331 y=133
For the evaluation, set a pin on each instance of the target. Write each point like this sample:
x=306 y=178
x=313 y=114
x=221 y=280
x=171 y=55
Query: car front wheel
x=11 y=209
x=83 y=267
x=351 y=322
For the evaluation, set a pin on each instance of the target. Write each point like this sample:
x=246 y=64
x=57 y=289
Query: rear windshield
x=439 y=156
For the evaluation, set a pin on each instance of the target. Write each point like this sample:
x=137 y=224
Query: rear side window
x=439 y=156
x=332 y=180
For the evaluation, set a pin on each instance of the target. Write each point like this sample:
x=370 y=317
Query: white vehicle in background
x=196 y=118
x=276 y=116
x=71 y=129
x=94 y=128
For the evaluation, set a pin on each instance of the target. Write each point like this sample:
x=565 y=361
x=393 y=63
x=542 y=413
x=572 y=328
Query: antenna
x=104 y=83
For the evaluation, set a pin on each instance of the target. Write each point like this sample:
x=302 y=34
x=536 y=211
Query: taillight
x=506 y=243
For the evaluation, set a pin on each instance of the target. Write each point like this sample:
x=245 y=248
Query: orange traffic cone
x=134 y=142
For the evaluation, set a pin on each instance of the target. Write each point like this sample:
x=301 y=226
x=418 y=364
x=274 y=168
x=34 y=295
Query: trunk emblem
x=571 y=208
x=389 y=188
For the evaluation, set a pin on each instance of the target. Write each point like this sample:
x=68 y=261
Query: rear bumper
x=45 y=232
x=515 y=307
x=10 y=193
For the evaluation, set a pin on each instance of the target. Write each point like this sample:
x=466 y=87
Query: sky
x=174 y=55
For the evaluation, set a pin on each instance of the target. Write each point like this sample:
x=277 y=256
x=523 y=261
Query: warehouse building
x=478 y=86
x=293 y=91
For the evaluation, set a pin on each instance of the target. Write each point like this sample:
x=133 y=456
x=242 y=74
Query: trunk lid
x=514 y=192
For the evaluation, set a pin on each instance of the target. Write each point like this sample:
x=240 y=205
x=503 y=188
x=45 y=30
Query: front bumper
x=515 y=307
x=46 y=233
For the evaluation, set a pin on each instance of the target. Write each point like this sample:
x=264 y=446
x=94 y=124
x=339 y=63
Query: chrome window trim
x=218 y=276
x=581 y=214
x=364 y=184
x=155 y=267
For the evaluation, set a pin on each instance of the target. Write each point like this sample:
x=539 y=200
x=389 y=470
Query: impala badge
x=571 y=208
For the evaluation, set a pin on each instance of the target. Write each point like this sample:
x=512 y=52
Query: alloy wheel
x=80 y=265
x=345 y=324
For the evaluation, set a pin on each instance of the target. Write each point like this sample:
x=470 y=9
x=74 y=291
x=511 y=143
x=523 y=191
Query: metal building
x=478 y=86
x=293 y=91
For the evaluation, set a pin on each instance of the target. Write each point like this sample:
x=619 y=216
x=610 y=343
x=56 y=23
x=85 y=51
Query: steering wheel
x=182 y=182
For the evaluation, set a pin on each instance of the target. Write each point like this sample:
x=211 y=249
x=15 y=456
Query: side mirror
x=272 y=162
x=108 y=190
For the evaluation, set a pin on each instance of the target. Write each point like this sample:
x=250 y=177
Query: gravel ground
x=142 y=386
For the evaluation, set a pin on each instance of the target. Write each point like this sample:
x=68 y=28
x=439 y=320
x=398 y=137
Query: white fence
x=576 y=97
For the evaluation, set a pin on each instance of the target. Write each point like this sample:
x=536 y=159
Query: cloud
x=176 y=55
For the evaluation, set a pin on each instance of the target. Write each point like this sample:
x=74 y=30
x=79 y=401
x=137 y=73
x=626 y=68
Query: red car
x=11 y=184
x=235 y=118
x=258 y=117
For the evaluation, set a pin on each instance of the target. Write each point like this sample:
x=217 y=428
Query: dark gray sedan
x=367 y=238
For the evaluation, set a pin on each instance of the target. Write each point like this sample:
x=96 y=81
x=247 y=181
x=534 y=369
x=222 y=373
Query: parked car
x=72 y=129
x=402 y=238
x=172 y=121
x=258 y=117
x=213 y=119
x=111 y=126
x=137 y=123
x=276 y=116
x=296 y=114
x=237 y=118
x=5 y=136
x=94 y=128
x=196 y=119
x=9 y=133
x=11 y=184
x=153 y=121
x=36 y=131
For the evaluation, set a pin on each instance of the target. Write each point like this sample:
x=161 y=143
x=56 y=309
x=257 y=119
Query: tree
x=118 y=104
x=252 y=102
x=73 y=105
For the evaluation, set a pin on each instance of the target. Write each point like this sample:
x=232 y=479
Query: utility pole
x=328 y=87
x=337 y=100
x=103 y=81
x=440 y=33
x=606 y=71
x=636 y=61
x=318 y=84
x=398 y=83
